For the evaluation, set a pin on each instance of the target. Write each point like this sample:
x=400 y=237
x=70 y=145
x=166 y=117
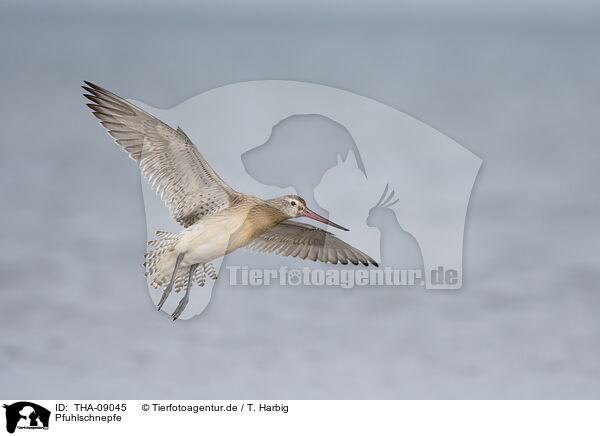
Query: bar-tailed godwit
x=216 y=218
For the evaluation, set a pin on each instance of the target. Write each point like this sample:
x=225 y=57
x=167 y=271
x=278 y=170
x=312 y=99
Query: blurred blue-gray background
x=514 y=82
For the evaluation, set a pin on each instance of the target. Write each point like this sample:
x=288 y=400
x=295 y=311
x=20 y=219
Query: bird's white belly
x=208 y=239
x=206 y=251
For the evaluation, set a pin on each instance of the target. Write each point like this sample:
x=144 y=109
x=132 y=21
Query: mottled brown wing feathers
x=294 y=239
x=168 y=158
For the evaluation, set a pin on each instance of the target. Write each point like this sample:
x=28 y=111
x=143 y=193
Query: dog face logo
x=26 y=415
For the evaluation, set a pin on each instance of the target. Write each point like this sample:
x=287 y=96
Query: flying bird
x=216 y=218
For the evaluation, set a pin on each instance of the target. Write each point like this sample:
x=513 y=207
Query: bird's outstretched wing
x=168 y=159
x=291 y=238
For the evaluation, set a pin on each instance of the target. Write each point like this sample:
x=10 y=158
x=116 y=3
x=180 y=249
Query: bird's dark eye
x=293 y=203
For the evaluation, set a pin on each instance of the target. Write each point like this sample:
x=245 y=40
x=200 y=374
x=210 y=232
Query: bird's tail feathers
x=160 y=261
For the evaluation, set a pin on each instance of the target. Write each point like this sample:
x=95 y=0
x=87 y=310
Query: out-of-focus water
x=75 y=317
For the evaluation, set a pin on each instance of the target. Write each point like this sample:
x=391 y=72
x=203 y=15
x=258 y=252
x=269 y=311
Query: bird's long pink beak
x=315 y=216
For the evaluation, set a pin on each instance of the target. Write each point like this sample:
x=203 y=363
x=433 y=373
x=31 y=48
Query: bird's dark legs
x=167 y=290
x=184 y=301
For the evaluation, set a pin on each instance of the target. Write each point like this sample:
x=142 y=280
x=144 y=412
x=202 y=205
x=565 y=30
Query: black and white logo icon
x=26 y=415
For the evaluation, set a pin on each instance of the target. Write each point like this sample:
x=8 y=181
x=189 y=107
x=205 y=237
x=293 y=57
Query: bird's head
x=294 y=206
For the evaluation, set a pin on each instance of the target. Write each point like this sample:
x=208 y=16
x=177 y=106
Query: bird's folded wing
x=168 y=159
x=301 y=240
